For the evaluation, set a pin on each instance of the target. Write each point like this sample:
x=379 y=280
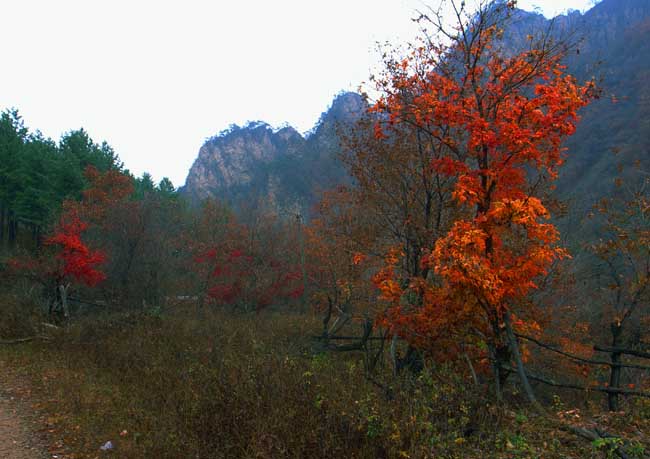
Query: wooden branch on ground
x=50 y=326
x=609 y=390
x=17 y=341
x=580 y=431
x=370 y=338
x=77 y=300
x=581 y=359
x=593 y=435
x=359 y=345
x=22 y=340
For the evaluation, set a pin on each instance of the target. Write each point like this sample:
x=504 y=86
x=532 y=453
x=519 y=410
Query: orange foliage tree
x=105 y=191
x=339 y=243
x=404 y=202
x=400 y=202
x=498 y=120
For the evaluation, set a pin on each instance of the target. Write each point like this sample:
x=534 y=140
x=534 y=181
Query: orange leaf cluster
x=498 y=123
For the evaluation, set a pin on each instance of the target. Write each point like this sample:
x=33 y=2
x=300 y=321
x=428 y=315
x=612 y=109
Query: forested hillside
x=614 y=130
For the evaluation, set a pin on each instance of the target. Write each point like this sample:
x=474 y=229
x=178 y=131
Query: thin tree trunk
x=500 y=355
x=521 y=370
x=496 y=370
x=301 y=246
x=12 y=229
x=393 y=354
x=471 y=369
x=2 y=224
x=63 y=291
x=51 y=303
x=35 y=234
x=615 y=372
x=326 y=321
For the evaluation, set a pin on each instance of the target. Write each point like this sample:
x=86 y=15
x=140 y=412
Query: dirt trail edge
x=17 y=437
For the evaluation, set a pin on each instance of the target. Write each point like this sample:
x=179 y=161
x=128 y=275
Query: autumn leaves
x=494 y=123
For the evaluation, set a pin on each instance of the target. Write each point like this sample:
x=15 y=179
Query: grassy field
x=194 y=383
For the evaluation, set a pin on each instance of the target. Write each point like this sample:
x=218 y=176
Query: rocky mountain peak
x=228 y=161
x=277 y=169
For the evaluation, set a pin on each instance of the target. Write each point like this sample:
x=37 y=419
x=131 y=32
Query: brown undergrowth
x=206 y=384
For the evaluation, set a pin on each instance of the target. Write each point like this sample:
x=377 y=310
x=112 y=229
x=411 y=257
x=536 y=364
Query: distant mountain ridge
x=283 y=171
x=280 y=170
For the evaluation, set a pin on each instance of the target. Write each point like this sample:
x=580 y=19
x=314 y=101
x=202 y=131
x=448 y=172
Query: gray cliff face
x=278 y=171
x=232 y=160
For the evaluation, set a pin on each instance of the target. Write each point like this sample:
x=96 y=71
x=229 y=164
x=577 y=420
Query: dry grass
x=203 y=384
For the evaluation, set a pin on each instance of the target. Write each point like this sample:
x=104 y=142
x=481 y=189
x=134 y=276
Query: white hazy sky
x=155 y=78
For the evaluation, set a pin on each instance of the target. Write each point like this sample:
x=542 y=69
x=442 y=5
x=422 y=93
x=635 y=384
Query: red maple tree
x=70 y=262
x=76 y=262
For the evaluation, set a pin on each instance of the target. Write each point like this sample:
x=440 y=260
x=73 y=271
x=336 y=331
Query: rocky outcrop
x=279 y=170
x=233 y=159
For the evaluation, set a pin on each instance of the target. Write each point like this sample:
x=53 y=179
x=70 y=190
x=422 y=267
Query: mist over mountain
x=284 y=171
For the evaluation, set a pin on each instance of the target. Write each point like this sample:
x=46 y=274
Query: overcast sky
x=155 y=78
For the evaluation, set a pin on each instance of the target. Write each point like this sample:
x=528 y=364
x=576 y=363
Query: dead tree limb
x=514 y=348
x=23 y=340
x=359 y=345
x=609 y=390
x=341 y=338
x=578 y=358
x=17 y=341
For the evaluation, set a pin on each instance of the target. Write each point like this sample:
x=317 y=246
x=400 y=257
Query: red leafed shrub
x=68 y=261
x=75 y=259
x=236 y=278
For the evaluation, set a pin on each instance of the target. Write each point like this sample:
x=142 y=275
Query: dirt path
x=17 y=441
x=18 y=437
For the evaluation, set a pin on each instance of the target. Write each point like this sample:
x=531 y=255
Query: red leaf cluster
x=77 y=261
